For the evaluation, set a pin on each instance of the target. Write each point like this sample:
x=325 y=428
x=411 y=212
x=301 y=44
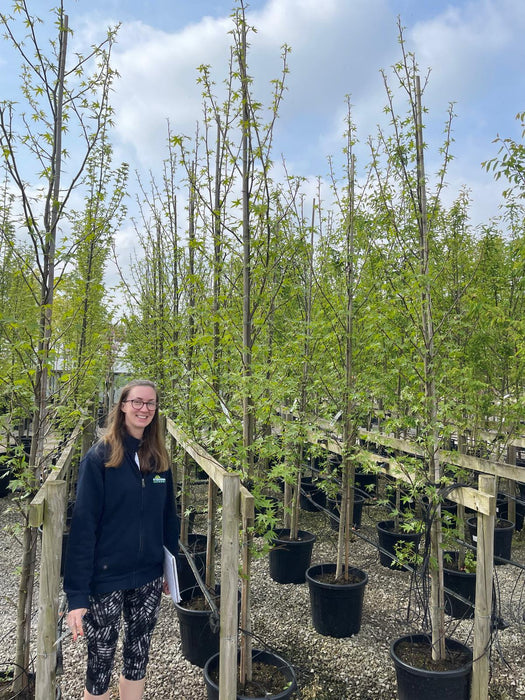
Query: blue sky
x=474 y=48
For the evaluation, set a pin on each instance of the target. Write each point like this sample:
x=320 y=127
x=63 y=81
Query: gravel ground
x=327 y=668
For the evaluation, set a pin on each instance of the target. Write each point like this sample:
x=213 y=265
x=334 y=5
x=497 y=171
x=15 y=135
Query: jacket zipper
x=141 y=541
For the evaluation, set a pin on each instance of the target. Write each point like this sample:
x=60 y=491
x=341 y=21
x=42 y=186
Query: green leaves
x=510 y=162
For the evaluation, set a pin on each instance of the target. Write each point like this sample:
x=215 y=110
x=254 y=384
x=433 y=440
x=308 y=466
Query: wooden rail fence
x=482 y=500
x=47 y=511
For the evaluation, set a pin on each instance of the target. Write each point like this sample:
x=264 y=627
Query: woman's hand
x=74 y=622
x=165 y=587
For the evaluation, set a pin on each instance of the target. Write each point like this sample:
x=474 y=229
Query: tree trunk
x=437 y=602
x=40 y=417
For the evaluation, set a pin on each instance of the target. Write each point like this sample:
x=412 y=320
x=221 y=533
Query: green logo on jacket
x=159 y=479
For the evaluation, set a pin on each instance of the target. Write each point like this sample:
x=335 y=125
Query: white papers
x=170 y=574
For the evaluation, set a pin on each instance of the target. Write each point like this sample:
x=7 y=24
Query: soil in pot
x=389 y=539
x=418 y=676
x=289 y=558
x=503 y=512
x=336 y=604
x=273 y=678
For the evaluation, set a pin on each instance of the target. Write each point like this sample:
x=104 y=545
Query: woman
x=124 y=514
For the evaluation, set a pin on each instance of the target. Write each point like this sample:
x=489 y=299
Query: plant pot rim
x=335 y=586
x=302 y=535
x=281 y=662
x=505 y=524
x=357 y=497
x=421 y=637
x=456 y=571
x=181 y=604
x=384 y=525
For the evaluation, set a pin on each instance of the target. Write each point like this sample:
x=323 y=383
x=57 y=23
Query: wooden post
x=511 y=459
x=247 y=515
x=53 y=525
x=88 y=436
x=483 y=607
x=210 y=533
x=229 y=587
x=183 y=500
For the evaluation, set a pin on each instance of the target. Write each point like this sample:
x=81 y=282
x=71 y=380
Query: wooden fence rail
x=482 y=500
x=237 y=505
x=47 y=510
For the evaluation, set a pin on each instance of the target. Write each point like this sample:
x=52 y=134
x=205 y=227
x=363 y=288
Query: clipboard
x=171 y=576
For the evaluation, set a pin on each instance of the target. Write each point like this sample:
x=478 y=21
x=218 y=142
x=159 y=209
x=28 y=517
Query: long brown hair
x=153 y=456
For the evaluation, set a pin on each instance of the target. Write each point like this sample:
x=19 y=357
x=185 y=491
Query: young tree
x=412 y=219
x=82 y=308
x=61 y=114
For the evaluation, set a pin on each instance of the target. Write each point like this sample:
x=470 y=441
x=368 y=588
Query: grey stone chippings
x=327 y=668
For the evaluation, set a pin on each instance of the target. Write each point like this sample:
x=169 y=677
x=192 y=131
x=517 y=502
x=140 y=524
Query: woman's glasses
x=139 y=403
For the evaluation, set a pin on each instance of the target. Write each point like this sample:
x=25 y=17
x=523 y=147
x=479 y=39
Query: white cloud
x=466 y=45
x=158 y=74
x=331 y=43
x=338 y=48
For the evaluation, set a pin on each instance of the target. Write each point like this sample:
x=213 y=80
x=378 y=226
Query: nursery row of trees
x=247 y=284
x=250 y=290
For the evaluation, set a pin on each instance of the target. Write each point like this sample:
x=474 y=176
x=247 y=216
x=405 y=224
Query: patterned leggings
x=140 y=608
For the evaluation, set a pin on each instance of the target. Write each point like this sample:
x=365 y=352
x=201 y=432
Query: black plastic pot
x=464 y=584
x=388 y=539
x=336 y=608
x=199 y=629
x=289 y=559
x=311 y=496
x=333 y=506
x=503 y=512
x=503 y=532
x=5 y=478
x=421 y=684
x=366 y=482
x=197 y=548
x=265 y=657
x=8 y=675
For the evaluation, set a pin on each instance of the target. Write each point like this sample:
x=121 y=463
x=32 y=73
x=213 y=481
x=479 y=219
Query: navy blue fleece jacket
x=121 y=520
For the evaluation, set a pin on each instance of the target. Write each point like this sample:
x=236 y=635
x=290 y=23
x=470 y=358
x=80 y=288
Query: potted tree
x=413 y=223
x=337 y=588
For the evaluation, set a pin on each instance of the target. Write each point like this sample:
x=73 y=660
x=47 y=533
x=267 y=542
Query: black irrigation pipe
x=214 y=618
x=407 y=566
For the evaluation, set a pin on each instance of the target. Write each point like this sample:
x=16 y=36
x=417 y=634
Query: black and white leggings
x=140 y=609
